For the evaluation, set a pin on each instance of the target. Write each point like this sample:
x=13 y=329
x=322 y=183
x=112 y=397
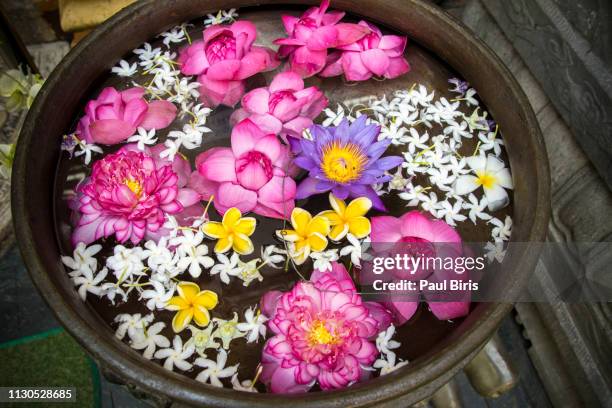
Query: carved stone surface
x=571 y=342
x=567 y=47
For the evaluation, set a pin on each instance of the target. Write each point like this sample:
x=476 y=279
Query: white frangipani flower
x=227 y=267
x=143 y=138
x=87 y=282
x=151 y=340
x=490 y=173
x=215 y=370
x=254 y=325
x=83 y=257
x=124 y=69
x=176 y=355
x=323 y=260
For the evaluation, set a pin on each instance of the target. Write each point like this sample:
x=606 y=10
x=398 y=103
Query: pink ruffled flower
x=223 y=59
x=114 y=116
x=322 y=334
x=374 y=54
x=129 y=194
x=252 y=175
x=429 y=238
x=284 y=108
x=312 y=34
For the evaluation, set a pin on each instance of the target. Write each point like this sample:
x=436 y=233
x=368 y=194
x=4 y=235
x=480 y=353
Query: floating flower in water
x=252 y=175
x=322 y=334
x=214 y=370
x=114 y=116
x=227 y=330
x=128 y=195
x=312 y=34
x=232 y=232
x=224 y=59
x=373 y=54
x=308 y=234
x=418 y=234
x=191 y=304
x=490 y=173
x=345 y=159
x=284 y=108
x=349 y=218
x=202 y=339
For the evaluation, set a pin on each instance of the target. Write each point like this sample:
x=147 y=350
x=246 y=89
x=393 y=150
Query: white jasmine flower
x=143 y=138
x=458 y=131
x=227 y=330
x=429 y=202
x=229 y=15
x=254 y=325
x=271 y=255
x=246 y=385
x=444 y=111
x=171 y=225
x=176 y=35
x=405 y=115
x=440 y=177
x=214 y=19
x=214 y=370
x=134 y=325
x=412 y=195
x=502 y=230
x=176 y=355
x=384 y=343
x=86 y=150
x=323 y=260
x=159 y=257
x=226 y=268
x=354 y=249
x=476 y=208
x=420 y=96
x=477 y=122
x=83 y=257
x=333 y=118
x=124 y=69
x=398 y=181
x=202 y=339
x=249 y=271
x=158 y=296
x=388 y=365
x=495 y=251
x=87 y=282
x=469 y=97
x=416 y=141
x=147 y=55
x=111 y=290
x=172 y=148
x=192 y=253
x=490 y=173
x=490 y=141
x=451 y=213
x=126 y=262
x=151 y=340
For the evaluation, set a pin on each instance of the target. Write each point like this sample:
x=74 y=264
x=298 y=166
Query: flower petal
x=466 y=184
x=201 y=316
x=182 y=319
x=359 y=226
x=219 y=166
x=214 y=229
x=242 y=244
x=207 y=299
x=246 y=226
x=358 y=207
x=159 y=115
x=233 y=195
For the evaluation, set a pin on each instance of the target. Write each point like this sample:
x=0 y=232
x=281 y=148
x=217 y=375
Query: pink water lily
x=284 y=108
x=129 y=194
x=223 y=59
x=427 y=237
x=322 y=334
x=114 y=116
x=252 y=175
x=374 y=54
x=312 y=34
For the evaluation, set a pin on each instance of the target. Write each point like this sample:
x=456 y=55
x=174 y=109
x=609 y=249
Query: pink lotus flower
x=284 y=108
x=374 y=54
x=322 y=334
x=114 y=116
x=252 y=175
x=311 y=35
x=129 y=194
x=223 y=59
x=427 y=237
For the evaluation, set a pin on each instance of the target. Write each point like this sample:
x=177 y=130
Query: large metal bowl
x=36 y=163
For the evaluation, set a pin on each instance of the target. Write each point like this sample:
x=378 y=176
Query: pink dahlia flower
x=312 y=34
x=128 y=195
x=223 y=59
x=252 y=175
x=374 y=54
x=322 y=333
x=284 y=108
x=429 y=238
x=114 y=116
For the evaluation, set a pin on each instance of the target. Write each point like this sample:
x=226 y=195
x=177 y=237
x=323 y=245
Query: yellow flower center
x=486 y=180
x=320 y=335
x=134 y=186
x=343 y=163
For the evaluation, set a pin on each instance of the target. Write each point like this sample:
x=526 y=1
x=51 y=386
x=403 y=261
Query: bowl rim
x=409 y=386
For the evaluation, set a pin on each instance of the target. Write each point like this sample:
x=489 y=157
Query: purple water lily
x=345 y=159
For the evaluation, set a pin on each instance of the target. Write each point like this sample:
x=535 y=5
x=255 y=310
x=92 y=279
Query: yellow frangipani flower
x=232 y=233
x=191 y=304
x=348 y=218
x=308 y=234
